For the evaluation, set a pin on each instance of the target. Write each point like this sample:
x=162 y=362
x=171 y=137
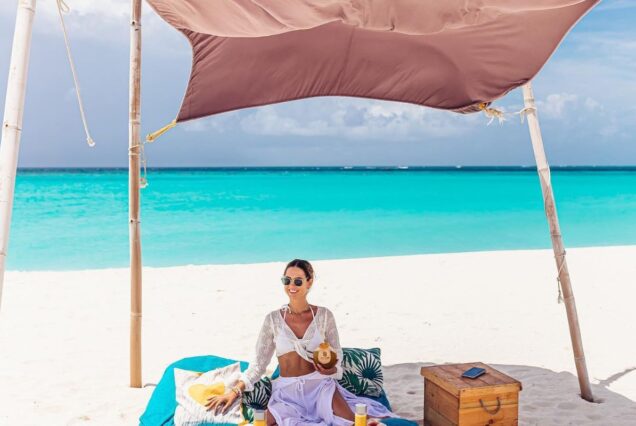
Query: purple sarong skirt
x=308 y=401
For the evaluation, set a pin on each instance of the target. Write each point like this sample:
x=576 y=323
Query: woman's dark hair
x=302 y=264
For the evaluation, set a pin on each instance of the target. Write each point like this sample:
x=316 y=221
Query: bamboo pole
x=12 y=122
x=133 y=194
x=557 y=242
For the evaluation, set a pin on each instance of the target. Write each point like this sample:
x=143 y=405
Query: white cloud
x=609 y=129
x=219 y=123
x=355 y=119
x=591 y=104
x=365 y=119
x=562 y=107
x=349 y=118
x=99 y=20
x=617 y=5
x=591 y=82
x=268 y=121
x=555 y=104
x=70 y=94
x=611 y=46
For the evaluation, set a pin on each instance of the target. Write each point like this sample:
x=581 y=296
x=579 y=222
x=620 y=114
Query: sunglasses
x=287 y=281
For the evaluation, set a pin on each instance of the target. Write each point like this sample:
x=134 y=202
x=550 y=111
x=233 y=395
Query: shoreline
x=341 y=259
x=64 y=334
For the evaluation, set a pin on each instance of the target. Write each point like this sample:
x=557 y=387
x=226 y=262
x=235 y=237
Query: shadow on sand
x=547 y=398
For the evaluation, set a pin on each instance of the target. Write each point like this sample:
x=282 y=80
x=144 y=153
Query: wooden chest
x=450 y=400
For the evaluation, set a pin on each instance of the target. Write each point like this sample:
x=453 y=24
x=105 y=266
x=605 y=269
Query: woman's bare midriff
x=293 y=365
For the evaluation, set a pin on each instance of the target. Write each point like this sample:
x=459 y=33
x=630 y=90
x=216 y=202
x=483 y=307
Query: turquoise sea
x=76 y=219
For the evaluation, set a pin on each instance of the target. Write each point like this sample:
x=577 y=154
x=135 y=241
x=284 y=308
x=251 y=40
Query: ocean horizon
x=345 y=167
x=77 y=218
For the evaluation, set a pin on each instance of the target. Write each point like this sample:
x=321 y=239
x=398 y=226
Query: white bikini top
x=276 y=336
x=286 y=341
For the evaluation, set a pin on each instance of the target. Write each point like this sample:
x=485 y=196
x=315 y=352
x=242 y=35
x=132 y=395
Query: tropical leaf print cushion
x=362 y=371
x=256 y=399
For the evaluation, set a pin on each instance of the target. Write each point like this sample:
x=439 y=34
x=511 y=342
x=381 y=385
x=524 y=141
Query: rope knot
x=500 y=114
x=525 y=111
x=492 y=113
x=562 y=256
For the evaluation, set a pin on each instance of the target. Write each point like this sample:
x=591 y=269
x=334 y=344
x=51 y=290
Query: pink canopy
x=447 y=54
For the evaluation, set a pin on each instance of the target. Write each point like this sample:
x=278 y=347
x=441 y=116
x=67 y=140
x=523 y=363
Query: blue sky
x=586 y=94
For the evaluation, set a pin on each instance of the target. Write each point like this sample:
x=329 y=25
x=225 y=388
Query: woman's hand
x=221 y=402
x=325 y=371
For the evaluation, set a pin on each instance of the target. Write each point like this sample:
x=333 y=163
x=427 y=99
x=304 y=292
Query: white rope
x=143 y=181
x=562 y=256
x=523 y=112
x=544 y=175
x=62 y=8
x=494 y=113
x=500 y=114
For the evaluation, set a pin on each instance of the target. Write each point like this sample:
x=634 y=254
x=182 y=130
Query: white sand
x=64 y=335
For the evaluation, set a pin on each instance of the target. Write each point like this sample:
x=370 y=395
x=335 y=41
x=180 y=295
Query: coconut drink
x=325 y=356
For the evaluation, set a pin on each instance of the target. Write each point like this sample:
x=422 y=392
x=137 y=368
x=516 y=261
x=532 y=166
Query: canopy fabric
x=447 y=54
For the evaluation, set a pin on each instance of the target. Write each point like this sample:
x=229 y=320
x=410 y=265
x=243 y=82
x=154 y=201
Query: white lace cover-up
x=305 y=400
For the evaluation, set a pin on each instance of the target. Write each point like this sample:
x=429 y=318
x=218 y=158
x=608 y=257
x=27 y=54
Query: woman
x=305 y=393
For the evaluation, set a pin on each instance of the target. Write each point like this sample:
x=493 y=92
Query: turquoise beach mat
x=162 y=404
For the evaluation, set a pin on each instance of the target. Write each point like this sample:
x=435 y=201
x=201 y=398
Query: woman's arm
x=263 y=355
x=264 y=351
x=331 y=335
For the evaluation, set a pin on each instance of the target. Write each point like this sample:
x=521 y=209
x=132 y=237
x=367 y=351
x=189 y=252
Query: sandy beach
x=64 y=335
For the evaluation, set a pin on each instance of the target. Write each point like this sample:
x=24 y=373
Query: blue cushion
x=162 y=403
x=276 y=373
x=382 y=399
